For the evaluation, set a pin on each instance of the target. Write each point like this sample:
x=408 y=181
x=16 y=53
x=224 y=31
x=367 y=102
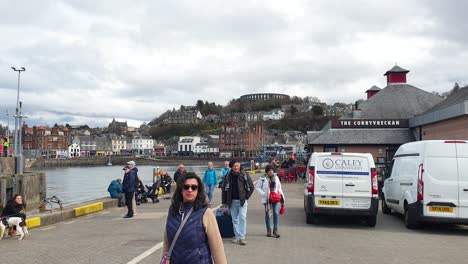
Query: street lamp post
x=18 y=116
x=8 y=124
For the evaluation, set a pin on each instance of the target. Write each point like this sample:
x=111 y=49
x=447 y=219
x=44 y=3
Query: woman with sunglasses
x=199 y=240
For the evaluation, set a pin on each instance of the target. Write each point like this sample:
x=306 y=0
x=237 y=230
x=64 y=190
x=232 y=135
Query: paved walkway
x=103 y=237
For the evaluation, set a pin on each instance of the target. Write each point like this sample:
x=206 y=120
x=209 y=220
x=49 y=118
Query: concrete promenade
x=106 y=237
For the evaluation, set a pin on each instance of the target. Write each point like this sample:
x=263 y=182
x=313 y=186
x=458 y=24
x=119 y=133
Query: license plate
x=328 y=202
x=439 y=209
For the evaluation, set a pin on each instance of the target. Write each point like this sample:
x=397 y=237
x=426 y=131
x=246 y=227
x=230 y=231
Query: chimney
x=372 y=91
x=396 y=75
x=356 y=111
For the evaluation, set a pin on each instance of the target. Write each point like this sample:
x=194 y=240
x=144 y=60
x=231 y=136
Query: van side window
x=388 y=170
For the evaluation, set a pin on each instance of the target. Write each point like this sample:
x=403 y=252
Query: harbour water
x=80 y=184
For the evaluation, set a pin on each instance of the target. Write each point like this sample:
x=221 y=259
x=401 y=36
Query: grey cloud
x=156 y=55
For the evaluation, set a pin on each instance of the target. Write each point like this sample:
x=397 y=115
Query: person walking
x=210 y=179
x=115 y=191
x=225 y=170
x=180 y=171
x=128 y=187
x=199 y=240
x=268 y=183
x=236 y=190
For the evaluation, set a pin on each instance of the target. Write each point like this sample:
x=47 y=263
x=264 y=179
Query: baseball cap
x=125 y=168
x=131 y=163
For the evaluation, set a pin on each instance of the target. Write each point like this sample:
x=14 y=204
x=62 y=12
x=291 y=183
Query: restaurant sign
x=370 y=123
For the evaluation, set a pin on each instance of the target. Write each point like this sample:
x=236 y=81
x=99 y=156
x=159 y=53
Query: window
x=329 y=148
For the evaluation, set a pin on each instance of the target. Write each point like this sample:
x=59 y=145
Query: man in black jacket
x=181 y=170
x=128 y=187
x=236 y=190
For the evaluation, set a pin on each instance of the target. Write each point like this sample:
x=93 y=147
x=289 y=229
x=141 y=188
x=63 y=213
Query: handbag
x=166 y=259
x=275 y=197
x=282 y=210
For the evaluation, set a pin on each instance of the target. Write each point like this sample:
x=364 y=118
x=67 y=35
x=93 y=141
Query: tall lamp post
x=18 y=116
x=8 y=124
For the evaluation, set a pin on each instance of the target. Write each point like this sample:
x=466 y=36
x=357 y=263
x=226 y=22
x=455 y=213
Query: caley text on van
x=347 y=164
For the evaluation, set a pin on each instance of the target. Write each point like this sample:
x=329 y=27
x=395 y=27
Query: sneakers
x=239 y=241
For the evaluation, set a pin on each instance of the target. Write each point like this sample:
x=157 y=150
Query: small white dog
x=13 y=221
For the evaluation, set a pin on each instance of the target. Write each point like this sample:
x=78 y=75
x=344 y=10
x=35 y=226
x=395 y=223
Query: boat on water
x=109 y=163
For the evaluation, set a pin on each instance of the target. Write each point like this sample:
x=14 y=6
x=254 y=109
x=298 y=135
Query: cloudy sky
x=90 y=61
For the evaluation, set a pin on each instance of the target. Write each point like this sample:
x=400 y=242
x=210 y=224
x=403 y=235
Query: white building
x=276 y=114
x=142 y=145
x=292 y=137
x=186 y=145
x=74 y=150
x=118 y=144
x=201 y=149
x=213 y=149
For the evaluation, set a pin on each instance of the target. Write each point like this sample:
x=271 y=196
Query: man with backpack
x=236 y=190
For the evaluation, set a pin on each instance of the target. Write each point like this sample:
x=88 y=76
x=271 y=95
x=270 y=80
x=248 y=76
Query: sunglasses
x=188 y=186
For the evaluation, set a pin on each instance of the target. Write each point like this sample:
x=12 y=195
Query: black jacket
x=245 y=185
x=14 y=210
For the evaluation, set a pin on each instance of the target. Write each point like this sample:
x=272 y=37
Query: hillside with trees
x=295 y=119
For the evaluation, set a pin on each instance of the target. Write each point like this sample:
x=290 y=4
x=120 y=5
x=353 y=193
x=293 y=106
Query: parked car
x=341 y=184
x=428 y=181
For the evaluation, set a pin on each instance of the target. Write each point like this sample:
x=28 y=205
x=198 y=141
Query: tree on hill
x=317 y=110
x=165 y=131
x=293 y=110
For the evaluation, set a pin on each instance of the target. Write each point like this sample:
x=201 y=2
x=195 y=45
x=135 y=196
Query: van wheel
x=312 y=219
x=409 y=222
x=309 y=218
x=371 y=220
x=385 y=208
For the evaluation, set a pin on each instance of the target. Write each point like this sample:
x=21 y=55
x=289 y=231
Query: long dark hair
x=177 y=199
x=12 y=201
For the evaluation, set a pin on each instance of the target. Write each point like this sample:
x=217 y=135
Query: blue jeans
x=239 y=218
x=275 y=207
x=210 y=191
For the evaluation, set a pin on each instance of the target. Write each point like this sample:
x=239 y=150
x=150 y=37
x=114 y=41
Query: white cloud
x=88 y=62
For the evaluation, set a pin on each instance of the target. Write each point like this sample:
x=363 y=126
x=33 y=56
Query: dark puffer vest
x=192 y=244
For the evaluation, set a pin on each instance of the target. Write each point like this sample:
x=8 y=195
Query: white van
x=428 y=181
x=341 y=184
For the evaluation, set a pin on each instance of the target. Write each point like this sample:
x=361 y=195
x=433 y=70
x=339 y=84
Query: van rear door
x=357 y=183
x=440 y=180
x=462 y=160
x=328 y=181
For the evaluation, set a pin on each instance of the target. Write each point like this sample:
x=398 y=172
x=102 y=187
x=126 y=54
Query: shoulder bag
x=275 y=197
x=166 y=259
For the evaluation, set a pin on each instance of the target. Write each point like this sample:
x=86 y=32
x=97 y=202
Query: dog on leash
x=13 y=221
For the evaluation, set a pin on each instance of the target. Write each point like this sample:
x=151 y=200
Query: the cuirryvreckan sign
x=370 y=123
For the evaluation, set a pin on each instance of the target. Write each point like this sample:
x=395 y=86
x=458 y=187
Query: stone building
x=446 y=120
x=118 y=128
x=44 y=141
x=380 y=124
x=241 y=141
x=185 y=115
x=263 y=97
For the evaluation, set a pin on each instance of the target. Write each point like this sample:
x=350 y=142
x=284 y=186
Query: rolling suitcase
x=224 y=219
